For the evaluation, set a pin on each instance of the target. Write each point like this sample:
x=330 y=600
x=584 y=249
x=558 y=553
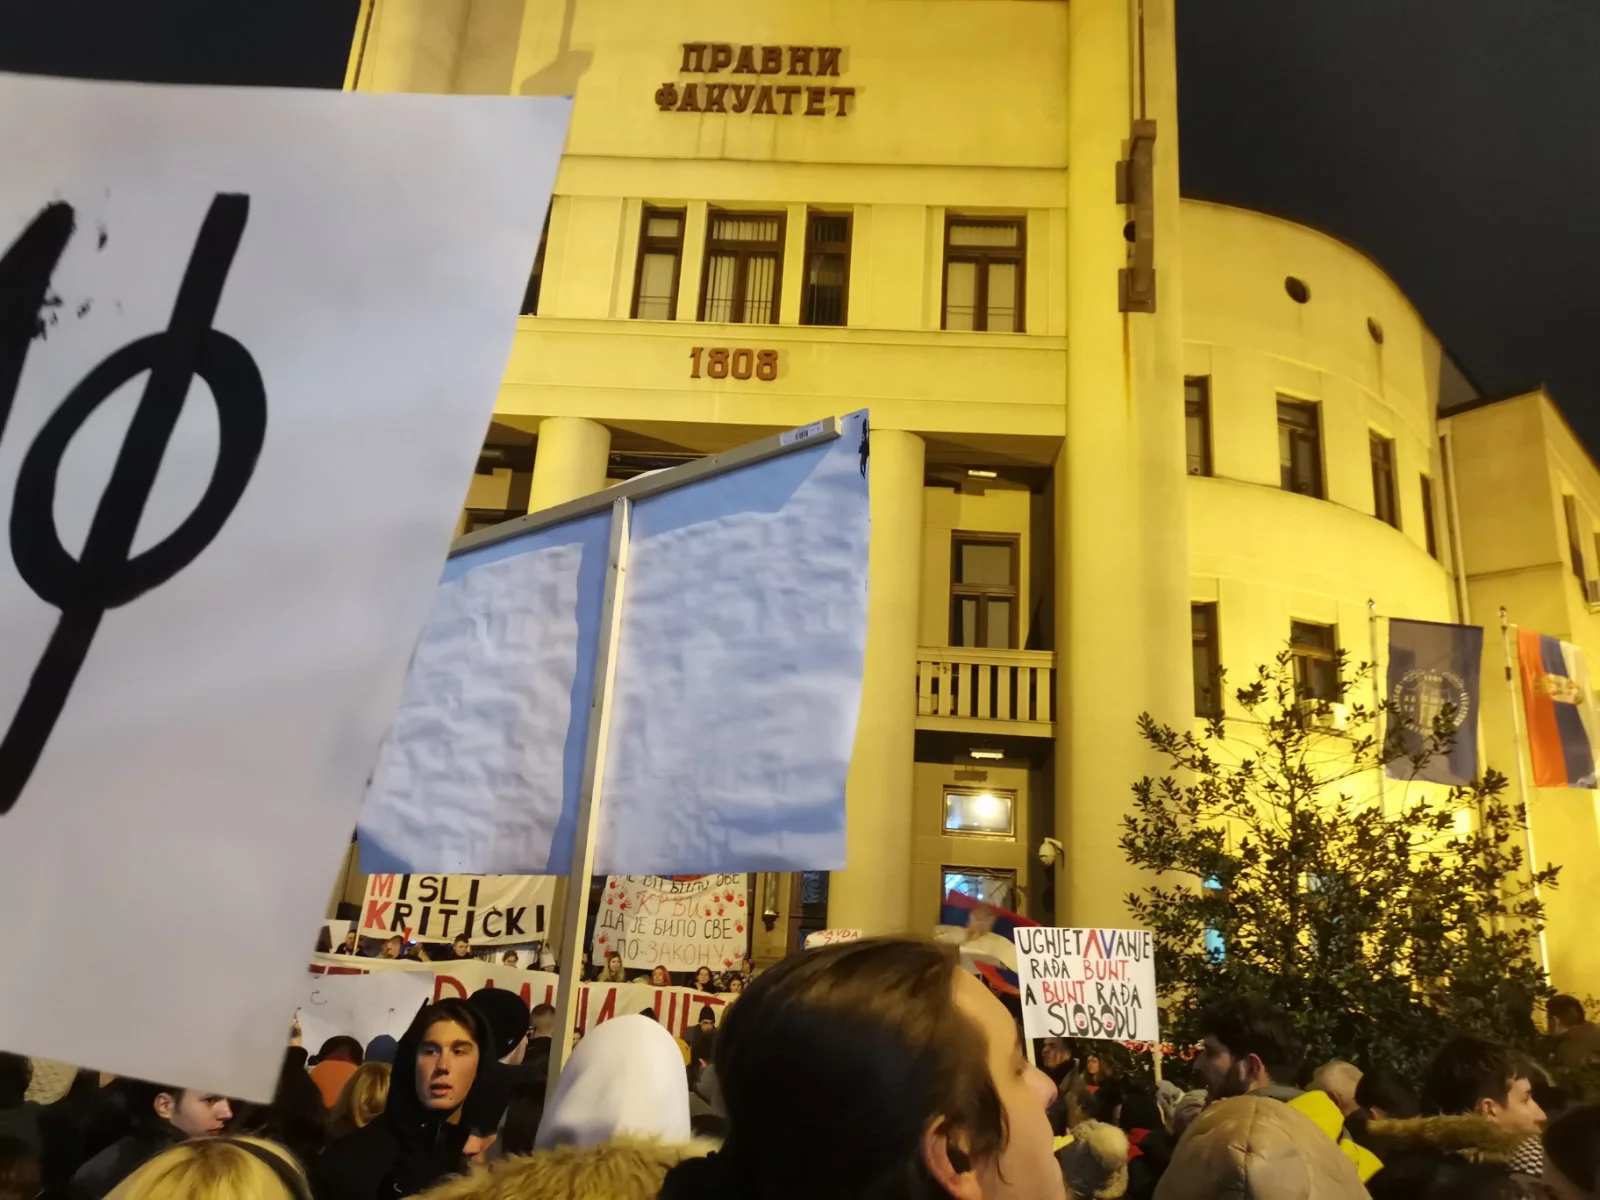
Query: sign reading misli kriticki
x=772 y=99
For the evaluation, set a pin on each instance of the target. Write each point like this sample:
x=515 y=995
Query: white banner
x=491 y=910
x=1087 y=983
x=733 y=713
x=831 y=937
x=678 y=1009
x=680 y=924
x=249 y=343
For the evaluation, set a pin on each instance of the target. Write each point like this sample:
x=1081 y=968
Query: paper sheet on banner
x=361 y=1006
x=734 y=709
x=200 y=783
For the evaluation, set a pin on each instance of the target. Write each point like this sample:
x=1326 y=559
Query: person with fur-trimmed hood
x=1480 y=1107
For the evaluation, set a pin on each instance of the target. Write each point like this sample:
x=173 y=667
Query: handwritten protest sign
x=680 y=924
x=831 y=937
x=676 y=1008
x=249 y=343
x=1087 y=983
x=489 y=910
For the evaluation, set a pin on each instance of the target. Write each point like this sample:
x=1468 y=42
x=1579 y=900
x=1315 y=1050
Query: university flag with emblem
x=1433 y=667
x=1560 y=709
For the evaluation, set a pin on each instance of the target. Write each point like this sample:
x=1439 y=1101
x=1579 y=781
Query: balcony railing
x=957 y=687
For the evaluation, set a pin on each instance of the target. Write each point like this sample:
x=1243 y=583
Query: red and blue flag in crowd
x=996 y=968
x=1560 y=710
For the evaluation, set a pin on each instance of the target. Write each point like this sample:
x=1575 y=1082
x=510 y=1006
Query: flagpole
x=1377 y=708
x=1522 y=778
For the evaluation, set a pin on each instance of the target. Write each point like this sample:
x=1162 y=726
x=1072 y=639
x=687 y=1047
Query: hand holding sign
x=108 y=575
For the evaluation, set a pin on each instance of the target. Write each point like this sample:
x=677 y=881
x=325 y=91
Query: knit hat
x=381 y=1049
x=1095 y=1163
x=707 y=1014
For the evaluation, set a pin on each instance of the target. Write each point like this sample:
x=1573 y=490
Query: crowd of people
x=868 y=1070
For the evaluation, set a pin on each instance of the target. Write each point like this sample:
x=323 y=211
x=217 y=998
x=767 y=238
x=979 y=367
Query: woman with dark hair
x=1149 y=1144
x=421 y=1136
x=875 y=1069
x=1572 y=1154
x=704 y=983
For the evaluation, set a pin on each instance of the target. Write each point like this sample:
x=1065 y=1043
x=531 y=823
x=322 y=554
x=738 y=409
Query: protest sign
x=490 y=910
x=249 y=343
x=360 y=1006
x=737 y=678
x=831 y=937
x=676 y=1008
x=1087 y=983
x=680 y=924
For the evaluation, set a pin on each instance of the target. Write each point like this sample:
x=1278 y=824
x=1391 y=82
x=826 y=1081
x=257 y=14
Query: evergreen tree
x=1280 y=875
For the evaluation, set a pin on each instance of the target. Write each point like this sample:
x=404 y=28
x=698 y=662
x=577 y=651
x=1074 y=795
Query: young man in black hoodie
x=422 y=1133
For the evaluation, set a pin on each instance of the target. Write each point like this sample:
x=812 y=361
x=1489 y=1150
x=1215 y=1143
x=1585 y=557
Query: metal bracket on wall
x=1136 y=283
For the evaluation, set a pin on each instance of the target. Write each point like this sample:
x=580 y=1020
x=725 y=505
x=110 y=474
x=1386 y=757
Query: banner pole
x=1155 y=1059
x=1522 y=775
x=575 y=912
x=1377 y=708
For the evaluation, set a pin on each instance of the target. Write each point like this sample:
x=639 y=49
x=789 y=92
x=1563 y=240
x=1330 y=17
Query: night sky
x=1455 y=141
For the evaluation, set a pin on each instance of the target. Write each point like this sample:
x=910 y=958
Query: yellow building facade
x=1116 y=436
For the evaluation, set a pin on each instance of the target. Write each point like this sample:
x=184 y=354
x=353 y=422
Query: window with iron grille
x=986 y=886
x=1315 y=651
x=1300 y=447
x=983 y=262
x=1429 y=532
x=1207 y=660
x=744 y=256
x=655 y=293
x=827 y=280
x=1197 y=422
x=1385 y=505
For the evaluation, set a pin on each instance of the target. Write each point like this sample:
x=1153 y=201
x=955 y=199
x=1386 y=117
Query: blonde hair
x=212 y=1169
x=363 y=1096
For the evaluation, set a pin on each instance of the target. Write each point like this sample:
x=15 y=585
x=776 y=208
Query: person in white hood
x=625 y=1078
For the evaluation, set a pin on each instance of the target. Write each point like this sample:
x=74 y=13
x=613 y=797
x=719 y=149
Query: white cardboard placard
x=327 y=286
x=1087 y=983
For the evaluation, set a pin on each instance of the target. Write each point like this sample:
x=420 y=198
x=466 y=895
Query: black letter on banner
x=107 y=575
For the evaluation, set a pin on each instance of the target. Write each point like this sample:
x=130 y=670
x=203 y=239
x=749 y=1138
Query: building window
x=983 y=275
x=1315 y=651
x=1575 y=538
x=530 y=297
x=981 y=812
x=827 y=282
x=998 y=888
x=1430 y=534
x=983 y=591
x=1207 y=660
x=744 y=256
x=1300 y=447
x=1385 y=505
x=655 y=294
x=1197 y=422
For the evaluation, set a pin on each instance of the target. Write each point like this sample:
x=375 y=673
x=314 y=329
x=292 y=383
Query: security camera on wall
x=1051 y=852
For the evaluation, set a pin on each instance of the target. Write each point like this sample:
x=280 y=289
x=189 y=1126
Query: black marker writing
x=107 y=575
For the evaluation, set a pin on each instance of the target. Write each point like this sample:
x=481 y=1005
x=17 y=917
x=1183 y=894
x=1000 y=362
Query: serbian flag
x=982 y=934
x=1561 y=713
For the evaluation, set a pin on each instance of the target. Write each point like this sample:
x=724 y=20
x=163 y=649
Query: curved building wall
x=1267 y=556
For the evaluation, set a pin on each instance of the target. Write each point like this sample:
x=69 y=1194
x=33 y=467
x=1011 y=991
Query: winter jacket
x=625 y=1168
x=1254 y=1148
x=122 y=1158
x=1475 y=1138
x=1578 y=1046
x=1325 y=1115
